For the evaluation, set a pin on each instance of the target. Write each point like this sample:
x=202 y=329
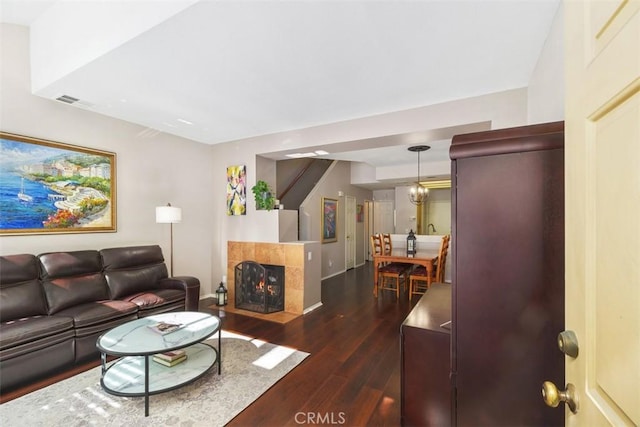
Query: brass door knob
x=552 y=396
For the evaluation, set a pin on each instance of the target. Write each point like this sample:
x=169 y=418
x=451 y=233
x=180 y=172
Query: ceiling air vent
x=68 y=99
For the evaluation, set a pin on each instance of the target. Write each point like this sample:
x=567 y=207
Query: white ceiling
x=22 y=12
x=236 y=69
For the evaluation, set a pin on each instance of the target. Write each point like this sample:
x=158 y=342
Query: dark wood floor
x=352 y=376
x=353 y=371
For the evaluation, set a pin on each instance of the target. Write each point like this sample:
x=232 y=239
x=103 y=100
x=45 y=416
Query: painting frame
x=50 y=187
x=236 y=190
x=329 y=220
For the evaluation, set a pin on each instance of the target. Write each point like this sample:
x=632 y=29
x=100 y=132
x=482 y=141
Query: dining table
x=425 y=257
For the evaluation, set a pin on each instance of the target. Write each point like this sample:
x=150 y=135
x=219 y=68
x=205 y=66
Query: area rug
x=249 y=368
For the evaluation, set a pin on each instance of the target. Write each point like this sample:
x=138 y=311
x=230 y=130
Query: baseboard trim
x=313 y=307
x=334 y=274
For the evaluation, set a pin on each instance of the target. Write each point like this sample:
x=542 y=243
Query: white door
x=368 y=226
x=350 y=231
x=383 y=217
x=602 y=173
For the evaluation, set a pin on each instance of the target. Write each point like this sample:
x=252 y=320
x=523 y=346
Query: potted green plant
x=263 y=195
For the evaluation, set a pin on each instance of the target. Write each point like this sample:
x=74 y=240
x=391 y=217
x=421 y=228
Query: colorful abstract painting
x=236 y=190
x=329 y=220
x=51 y=187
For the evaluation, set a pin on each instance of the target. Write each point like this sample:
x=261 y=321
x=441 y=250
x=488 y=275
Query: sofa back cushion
x=133 y=269
x=72 y=278
x=21 y=293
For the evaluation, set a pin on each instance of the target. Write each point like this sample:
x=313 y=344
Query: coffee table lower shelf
x=127 y=376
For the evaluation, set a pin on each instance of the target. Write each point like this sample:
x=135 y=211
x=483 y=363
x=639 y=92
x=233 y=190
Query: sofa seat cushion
x=20 y=331
x=395 y=268
x=155 y=298
x=99 y=312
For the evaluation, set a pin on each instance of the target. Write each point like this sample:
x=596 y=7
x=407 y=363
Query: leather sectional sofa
x=54 y=306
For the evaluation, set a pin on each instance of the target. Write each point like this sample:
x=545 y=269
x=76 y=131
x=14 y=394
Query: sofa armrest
x=190 y=285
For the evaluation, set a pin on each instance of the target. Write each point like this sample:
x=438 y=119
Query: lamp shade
x=168 y=214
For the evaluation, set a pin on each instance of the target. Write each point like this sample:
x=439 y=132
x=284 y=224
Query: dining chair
x=376 y=249
x=393 y=274
x=376 y=244
x=419 y=282
x=387 y=246
x=442 y=259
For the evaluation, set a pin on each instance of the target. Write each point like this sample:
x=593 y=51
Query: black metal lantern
x=411 y=244
x=221 y=295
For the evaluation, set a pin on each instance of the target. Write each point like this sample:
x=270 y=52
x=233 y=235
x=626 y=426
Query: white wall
x=151 y=170
x=335 y=180
x=406 y=219
x=502 y=109
x=546 y=87
x=384 y=195
x=69 y=35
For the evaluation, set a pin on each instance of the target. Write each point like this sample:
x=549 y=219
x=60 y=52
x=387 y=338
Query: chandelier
x=417 y=193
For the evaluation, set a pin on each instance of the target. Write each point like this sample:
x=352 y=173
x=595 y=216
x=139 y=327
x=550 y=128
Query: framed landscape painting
x=329 y=220
x=51 y=187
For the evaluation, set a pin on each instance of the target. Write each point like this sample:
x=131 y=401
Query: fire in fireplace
x=259 y=287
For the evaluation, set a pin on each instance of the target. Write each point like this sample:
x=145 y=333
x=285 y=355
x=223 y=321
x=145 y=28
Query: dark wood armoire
x=508 y=275
x=425 y=342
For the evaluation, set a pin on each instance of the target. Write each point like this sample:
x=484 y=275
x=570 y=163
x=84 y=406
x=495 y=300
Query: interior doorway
x=350 y=231
x=368 y=228
x=384 y=218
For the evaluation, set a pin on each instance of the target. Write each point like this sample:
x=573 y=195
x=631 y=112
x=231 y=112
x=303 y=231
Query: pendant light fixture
x=417 y=193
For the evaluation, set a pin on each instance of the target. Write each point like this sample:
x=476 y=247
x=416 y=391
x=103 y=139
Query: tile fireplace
x=259 y=287
x=303 y=284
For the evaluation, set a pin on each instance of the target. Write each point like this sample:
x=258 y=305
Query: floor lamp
x=169 y=215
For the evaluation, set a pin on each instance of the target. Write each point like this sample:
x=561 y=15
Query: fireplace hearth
x=259 y=287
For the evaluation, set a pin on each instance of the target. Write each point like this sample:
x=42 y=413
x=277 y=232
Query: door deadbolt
x=552 y=396
x=568 y=343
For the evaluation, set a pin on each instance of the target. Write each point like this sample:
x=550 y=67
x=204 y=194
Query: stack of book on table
x=170 y=358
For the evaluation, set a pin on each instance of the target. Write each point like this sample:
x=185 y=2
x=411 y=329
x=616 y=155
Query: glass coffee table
x=135 y=343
